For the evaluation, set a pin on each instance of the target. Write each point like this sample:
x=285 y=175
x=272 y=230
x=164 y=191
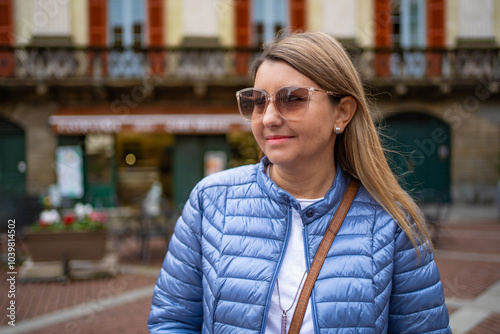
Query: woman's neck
x=310 y=183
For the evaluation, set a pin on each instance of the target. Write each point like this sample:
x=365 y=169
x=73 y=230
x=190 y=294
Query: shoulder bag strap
x=319 y=258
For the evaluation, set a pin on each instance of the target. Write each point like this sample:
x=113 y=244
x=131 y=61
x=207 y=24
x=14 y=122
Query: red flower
x=43 y=223
x=69 y=219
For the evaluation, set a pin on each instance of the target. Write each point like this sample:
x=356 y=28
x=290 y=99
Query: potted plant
x=79 y=235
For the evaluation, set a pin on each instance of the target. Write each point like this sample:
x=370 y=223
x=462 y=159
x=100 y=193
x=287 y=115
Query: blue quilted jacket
x=226 y=251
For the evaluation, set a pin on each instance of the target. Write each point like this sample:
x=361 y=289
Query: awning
x=85 y=120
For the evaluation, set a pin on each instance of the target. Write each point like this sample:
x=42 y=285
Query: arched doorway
x=12 y=159
x=420 y=154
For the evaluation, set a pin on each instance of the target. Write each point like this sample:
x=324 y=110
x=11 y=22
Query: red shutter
x=6 y=33
x=242 y=22
x=435 y=23
x=383 y=32
x=7 y=61
x=298 y=15
x=435 y=35
x=97 y=30
x=242 y=35
x=155 y=10
x=97 y=22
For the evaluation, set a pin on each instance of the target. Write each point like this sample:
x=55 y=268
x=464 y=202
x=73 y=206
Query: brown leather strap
x=319 y=258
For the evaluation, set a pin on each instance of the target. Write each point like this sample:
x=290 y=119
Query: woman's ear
x=345 y=112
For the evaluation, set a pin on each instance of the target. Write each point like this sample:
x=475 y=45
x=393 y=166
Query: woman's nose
x=271 y=115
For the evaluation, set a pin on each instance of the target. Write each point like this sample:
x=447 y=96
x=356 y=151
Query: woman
x=247 y=236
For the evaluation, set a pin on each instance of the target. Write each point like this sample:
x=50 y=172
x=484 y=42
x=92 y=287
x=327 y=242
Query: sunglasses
x=291 y=102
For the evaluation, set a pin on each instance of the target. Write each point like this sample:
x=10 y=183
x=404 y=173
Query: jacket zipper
x=276 y=272
x=308 y=266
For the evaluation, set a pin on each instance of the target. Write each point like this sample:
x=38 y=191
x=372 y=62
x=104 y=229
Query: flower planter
x=66 y=245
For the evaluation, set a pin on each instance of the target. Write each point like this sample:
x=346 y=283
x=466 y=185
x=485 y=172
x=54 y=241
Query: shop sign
x=69 y=161
x=191 y=123
x=94 y=125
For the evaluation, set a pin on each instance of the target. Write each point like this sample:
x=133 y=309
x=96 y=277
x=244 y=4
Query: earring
x=337 y=130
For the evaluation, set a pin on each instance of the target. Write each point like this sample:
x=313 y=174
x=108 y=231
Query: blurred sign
x=215 y=161
x=70 y=171
x=172 y=123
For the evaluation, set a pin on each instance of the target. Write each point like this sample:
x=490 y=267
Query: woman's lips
x=277 y=139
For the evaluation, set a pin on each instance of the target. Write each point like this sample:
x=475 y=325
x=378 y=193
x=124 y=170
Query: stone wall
x=41 y=142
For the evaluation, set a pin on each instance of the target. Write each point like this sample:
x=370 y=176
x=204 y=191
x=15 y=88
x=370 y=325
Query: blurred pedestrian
x=241 y=258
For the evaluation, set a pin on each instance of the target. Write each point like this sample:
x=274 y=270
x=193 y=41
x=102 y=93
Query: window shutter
x=242 y=35
x=97 y=31
x=435 y=35
x=435 y=23
x=97 y=22
x=6 y=38
x=155 y=23
x=383 y=30
x=242 y=22
x=155 y=11
x=6 y=22
x=383 y=23
x=298 y=15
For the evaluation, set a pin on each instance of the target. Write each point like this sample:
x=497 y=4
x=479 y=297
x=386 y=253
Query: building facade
x=103 y=97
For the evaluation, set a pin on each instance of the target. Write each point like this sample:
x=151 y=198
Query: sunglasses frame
x=272 y=97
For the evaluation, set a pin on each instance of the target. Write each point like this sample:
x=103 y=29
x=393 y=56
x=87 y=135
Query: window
x=269 y=17
x=408 y=33
x=414 y=23
x=259 y=33
x=396 y=23
x=126 y=19
x=118 y=36
x=137 y=35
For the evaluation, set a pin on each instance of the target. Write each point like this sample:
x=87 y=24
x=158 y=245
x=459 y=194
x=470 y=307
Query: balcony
x=26 y=66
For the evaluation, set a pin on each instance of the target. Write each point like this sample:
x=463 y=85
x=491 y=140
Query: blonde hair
x=358 y=150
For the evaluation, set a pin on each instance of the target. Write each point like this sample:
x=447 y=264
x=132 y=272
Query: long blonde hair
x=358 y=150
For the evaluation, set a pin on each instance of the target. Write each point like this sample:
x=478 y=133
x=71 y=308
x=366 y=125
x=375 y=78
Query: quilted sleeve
x=417 y=303
x=177 y=298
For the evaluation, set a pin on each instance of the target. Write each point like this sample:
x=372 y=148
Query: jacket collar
x=312 y=212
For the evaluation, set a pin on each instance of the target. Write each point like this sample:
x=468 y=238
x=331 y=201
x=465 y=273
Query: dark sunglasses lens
x=292 y=101
x=251 y=101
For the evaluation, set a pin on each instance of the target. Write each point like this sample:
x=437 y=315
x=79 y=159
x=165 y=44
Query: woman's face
x=298 y=143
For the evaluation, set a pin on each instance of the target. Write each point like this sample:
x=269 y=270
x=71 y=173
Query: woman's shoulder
x=230 y=177
x=369 y=206
x=363 y=197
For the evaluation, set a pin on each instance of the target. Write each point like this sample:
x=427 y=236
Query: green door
x=100 y=170
x=422 y=161
x=192 y=157
x=12 y=159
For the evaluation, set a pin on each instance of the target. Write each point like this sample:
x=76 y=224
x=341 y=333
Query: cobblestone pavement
x=468 y=258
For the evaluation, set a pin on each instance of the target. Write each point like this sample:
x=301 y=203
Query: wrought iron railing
x=412 y=65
